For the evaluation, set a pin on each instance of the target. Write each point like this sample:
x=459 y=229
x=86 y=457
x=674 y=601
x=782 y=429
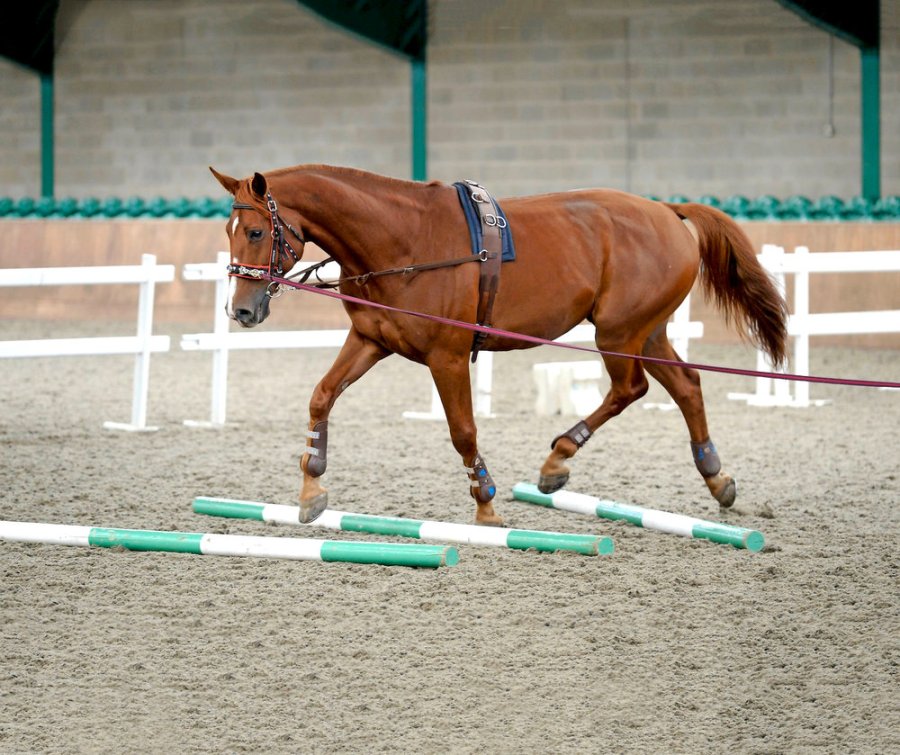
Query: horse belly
x=551 y=286
x=415 y=338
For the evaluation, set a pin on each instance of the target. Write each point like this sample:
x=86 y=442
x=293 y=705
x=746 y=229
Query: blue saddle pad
x=474 y=222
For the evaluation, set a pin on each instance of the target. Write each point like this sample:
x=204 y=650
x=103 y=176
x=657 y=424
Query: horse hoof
x=550 y=483
x=311 y=510
x=723 y=489
x=727 y=496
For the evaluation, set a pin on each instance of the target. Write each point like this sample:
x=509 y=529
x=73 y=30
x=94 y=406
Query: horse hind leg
x=628 y=384
x=683 y=385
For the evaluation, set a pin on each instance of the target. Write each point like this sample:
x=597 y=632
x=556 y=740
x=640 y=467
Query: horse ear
x=259 y=185
x=230 y=184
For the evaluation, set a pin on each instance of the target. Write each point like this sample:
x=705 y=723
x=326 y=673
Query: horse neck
x=362 y=220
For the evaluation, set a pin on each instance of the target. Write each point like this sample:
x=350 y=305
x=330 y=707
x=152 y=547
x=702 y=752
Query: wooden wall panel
x=60 y=243
x=52 y=243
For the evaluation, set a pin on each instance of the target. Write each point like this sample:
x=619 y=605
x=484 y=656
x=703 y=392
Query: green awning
x=399 y=25
x=30 y=40
x=858 y=23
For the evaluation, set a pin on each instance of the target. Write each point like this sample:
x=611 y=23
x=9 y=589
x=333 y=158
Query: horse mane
x=357 y=173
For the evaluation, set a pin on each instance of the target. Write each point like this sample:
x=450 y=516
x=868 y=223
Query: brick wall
x=655 y=96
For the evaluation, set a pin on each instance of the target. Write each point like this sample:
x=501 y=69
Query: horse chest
x=384 y=331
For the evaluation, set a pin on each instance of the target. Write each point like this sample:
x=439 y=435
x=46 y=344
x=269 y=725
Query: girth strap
x=489 y=280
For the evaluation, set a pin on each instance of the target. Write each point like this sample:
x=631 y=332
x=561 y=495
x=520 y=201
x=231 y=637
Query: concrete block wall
x=688 y=96
x=653 y=96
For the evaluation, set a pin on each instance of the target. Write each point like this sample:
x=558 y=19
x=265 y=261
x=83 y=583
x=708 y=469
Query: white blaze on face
x=232 y=287
x=232 y=282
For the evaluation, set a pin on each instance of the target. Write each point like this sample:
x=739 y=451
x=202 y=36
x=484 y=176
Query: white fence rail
x=679 y=331
x=802 y=324
x=220 y=341
x=144 y=343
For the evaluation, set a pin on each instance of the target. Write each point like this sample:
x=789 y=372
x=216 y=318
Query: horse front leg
x=357 y=356
x=451 y=377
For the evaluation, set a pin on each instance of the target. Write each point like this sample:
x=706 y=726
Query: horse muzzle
x=249 y=317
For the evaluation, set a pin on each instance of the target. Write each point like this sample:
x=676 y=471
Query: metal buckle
x=274 y=290
x=492 y=220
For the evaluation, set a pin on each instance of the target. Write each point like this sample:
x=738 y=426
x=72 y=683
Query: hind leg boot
x=720 y=484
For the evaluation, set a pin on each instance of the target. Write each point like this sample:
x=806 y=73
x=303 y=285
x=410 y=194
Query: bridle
x=281 y=249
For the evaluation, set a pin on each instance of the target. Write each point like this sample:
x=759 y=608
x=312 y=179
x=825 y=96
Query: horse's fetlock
x=706 y=458
x=315 y=459
x=578 y=435
x=482 y=486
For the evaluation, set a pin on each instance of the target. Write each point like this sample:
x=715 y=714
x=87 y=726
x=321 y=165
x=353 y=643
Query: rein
x=512 y=335
x=282 y=249
x=363 y=278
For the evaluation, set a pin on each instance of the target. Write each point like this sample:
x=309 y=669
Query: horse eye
x=255 y=235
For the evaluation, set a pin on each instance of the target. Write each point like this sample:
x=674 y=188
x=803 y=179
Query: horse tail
x=733 y=277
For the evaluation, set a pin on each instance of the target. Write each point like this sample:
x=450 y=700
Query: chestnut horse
x=621 y=261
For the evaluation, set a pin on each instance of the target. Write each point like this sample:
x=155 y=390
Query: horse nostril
x=243 y=315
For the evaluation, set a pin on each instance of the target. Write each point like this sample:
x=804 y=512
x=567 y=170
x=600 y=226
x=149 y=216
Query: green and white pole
x=651 y=519
x=293 y=548
x=467 y=534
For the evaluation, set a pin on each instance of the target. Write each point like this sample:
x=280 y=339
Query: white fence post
x=142 y=345
x=769 y=392
x=221 y=341
x=142 y=358
x=484 y=369
x=679 y=331
x=801 y=324
x=681 y=319
x=481 y=392
x=219 y=392
x=801 y=321
x=219 y=399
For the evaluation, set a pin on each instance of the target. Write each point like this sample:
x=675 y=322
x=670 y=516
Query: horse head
x=259 y=248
